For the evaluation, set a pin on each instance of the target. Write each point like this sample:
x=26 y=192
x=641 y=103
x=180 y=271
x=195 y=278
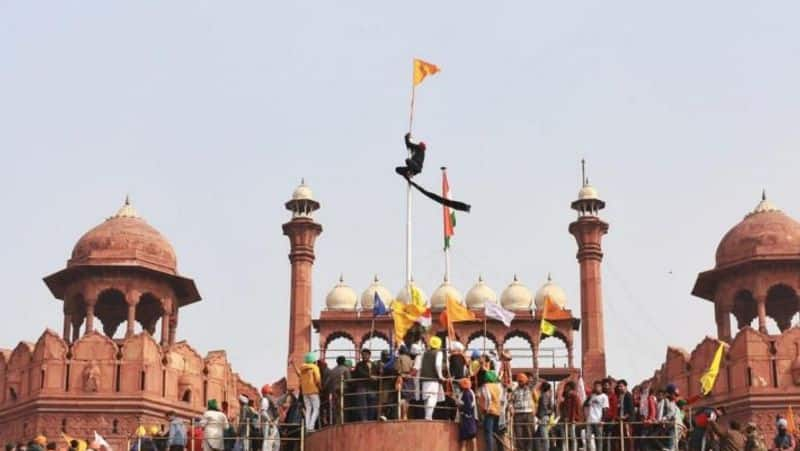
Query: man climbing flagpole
x=416 y=154
x=414 y=163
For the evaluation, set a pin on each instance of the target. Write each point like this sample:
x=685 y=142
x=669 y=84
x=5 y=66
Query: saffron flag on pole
x=422 y=69
x=546 y=327
x=404 y=316
x=453 y=312
x=448 y=213
x=710 y=377
x=791 y=427
x=492 y=310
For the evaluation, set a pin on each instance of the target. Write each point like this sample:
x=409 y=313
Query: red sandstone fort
x=125 y=272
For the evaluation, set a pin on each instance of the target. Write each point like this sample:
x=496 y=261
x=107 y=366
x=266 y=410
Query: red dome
x=125 y=239
x=767 y=233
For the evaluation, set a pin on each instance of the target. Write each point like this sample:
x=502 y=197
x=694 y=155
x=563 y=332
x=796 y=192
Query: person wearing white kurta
x=214 y=424
x=430 y=373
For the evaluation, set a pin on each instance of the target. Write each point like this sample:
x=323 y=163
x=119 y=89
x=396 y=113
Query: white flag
x=492 y=310
x=101 y=442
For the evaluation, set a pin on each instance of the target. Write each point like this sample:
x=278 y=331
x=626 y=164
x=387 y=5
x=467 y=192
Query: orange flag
x=422 y=69
x=792 y=427
x=454 y=311
x=553 y=311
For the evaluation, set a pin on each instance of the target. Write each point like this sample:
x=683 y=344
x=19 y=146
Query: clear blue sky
x=208 y=114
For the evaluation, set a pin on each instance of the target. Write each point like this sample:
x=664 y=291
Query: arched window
x=187 y=396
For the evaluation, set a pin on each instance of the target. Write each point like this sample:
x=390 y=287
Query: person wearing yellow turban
x=430 y=374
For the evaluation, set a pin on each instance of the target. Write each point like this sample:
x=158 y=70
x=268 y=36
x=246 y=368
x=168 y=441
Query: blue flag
x=379 y=308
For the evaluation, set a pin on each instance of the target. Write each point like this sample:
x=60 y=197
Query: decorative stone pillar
x=76 y=328
x=166 y=315
x=67 y=325
x=90 y=303
x=761 y=305
x=723 y=319
x=173 y=326
x=132 y=299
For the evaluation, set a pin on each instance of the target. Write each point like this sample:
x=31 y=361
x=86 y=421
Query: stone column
x=723 y=319
x=165 y=319
x=761 y=304
x=76 y=329
x=67 y=326
x=90 y=315
x=132 y=298
x=173 y=326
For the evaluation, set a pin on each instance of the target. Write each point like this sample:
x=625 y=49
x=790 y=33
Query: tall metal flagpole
x=446 y=211
x=408 y=200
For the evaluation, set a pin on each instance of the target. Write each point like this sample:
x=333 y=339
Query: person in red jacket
x=571 y=413
x=196 y=442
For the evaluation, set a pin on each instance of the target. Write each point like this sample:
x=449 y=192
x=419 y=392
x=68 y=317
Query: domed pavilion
x=94 y=377
x=755 y=278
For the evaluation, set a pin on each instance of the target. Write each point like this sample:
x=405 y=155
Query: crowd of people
x=430 y=379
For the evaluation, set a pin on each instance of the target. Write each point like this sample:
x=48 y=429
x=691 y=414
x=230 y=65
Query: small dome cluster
x=516 y=296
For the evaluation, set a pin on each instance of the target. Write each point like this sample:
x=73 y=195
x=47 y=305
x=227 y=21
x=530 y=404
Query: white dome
x=302 y=192
x=516 y=296
x=341 y=297
x=479 y=294
x=553 y=291
x=368 y=297
x=587 y=192
x=445 y=290
x=404 y=295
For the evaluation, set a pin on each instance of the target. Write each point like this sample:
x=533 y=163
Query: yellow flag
x=455 y=311
x=547 y=328
x=416 y=299
x=710 y=376
x=422 y=69
x=404 y=316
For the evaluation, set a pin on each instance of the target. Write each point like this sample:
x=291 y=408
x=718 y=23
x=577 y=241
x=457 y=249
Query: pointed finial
x=375 y=279
x=549 y=278
x=763 y=194
x=480 y=278
x=341 y=278
x=412 y=279
x=302 y=180
x=126 y=210
x=515 y=278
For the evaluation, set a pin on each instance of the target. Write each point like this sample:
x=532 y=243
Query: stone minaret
x=302 y=232
x=588 y=231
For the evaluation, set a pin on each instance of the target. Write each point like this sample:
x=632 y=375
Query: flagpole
x=444 y=229
x=408 y=199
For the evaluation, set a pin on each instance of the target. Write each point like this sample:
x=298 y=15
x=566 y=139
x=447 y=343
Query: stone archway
x=521 y=347
x=781 y=305
x=745 y=308
x=336 y=344
x=111 y=309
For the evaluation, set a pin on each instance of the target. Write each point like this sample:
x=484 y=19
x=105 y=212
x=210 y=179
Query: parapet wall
x=386 y=436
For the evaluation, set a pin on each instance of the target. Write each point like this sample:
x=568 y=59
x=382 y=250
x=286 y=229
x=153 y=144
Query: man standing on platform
x=430 y=374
